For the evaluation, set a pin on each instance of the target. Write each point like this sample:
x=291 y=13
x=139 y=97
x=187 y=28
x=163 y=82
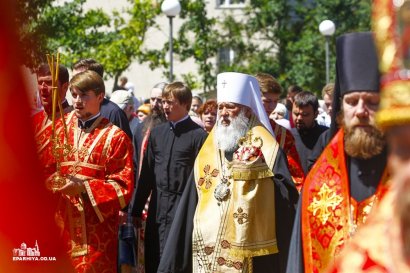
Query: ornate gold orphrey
x=59 y=148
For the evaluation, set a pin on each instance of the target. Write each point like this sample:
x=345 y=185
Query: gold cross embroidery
x=208 y=177
x=241 y=216
x=73 y=170
x=82 y=153
x=324 y=203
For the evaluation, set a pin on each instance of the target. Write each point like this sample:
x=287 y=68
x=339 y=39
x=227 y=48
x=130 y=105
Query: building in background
x=140 y=74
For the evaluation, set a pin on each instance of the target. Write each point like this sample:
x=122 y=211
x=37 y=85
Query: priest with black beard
x=128 y=245
x=141 y=133
x=350 y=175
x=238 y=207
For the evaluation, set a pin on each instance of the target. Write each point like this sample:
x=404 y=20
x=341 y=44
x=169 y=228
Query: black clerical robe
x=137 y=138
x=138 y=135
x=178 y=257
x=317 y=150
x=305 y=140
x=115 y=115
x=166 y=167
x=365 y=183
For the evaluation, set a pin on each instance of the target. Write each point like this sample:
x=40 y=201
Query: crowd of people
x=235 y=183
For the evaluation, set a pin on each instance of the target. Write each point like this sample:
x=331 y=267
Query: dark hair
x=180 y=91
x=44 y=70
x=268 y=84
x=89 y=64
x=295 y=89
x=88 y=80
x=208 y=105
x=306 y=98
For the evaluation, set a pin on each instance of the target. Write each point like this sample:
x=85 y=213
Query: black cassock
x=137 y=138
x=168 y=161
x=177 y=255
x=305 y=140
x=317 y=150
x=115 y=115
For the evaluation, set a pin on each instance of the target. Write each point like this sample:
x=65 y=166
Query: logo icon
x=25 y=254
x=24 y=251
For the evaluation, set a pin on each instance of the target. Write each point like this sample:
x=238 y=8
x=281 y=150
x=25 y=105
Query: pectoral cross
x=248 y=140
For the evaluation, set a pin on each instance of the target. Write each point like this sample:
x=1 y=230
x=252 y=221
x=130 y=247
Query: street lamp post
x=171 y=8
x=327 y=28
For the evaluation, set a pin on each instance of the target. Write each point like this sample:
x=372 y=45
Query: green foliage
x=32 y=40
x=191 y=81
x=110 y=39
x=202 y=47
x=306 y=53
x=280 y=37
x=197 y=39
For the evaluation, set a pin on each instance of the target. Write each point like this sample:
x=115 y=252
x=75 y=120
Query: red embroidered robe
x=377 y=247
x=43 y=134
x=287 y=143
x=329 y=214
x=102 y=156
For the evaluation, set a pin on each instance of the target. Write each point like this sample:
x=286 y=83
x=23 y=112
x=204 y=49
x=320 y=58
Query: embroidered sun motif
x=208 y=177
x=324 y=203
x=241 y=216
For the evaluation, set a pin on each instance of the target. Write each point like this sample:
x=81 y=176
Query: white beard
x=226 y=137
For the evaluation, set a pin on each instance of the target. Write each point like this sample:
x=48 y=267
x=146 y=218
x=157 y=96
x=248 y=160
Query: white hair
x=226 y=137
x=281 y=108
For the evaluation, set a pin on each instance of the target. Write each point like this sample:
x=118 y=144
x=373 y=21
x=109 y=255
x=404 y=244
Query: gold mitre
x=391 y=27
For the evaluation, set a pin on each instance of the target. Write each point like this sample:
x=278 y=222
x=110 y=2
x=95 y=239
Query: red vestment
x=42 y=127
x=287 y=143
x=329 y=214
x=102 y=157
x=42 y=135
x=25 y=207
x=377 y=246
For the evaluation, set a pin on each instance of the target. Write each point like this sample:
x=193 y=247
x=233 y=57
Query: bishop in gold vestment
x=237 y=210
